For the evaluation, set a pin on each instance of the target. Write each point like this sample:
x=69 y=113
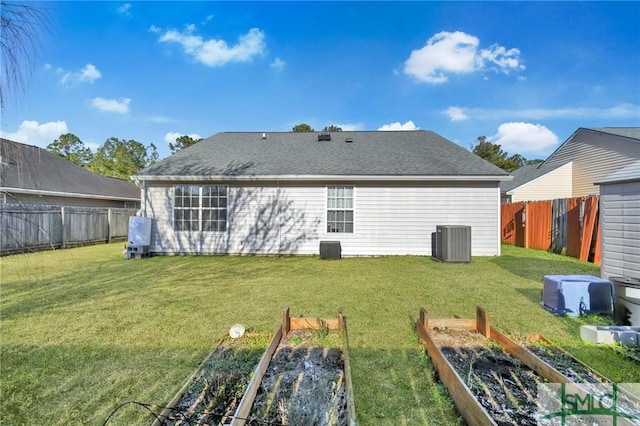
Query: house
x=377 y=193
x=620 y=223
x=32 y=175
x=572 y=170
x=535 y=182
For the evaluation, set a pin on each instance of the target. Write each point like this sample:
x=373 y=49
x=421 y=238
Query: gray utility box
x=453 y=243
x=330 y=250
x=627 y=300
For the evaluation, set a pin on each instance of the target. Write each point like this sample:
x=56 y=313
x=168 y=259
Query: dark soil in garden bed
x=504 y=386
x=303 y=385
x=561 y=361
x=219 y=384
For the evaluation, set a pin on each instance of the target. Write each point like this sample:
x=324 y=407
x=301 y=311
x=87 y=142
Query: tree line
x=494 y=154
x=118 y=158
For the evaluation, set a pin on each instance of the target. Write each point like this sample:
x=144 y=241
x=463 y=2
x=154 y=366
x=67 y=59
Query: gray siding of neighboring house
x=594 y=155
x=14 y=198
x=290 y=218
x=555 y=184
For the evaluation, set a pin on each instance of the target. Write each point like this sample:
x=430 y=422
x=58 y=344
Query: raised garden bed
x=494 y=379
x=303 y=378
x=503 y=386
x=212 y=394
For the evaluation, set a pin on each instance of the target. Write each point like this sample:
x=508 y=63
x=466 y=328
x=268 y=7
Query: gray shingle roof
x=371 y=153
x=627 y=132
x=32 y=168
x=630 y=173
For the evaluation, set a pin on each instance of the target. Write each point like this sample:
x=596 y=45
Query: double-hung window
x=200 y=208
x=340 y=209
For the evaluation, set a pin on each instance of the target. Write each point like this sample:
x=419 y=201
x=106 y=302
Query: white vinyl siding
x=620 y=222
x=389 y=219
x=595 y=155
x=553 y=185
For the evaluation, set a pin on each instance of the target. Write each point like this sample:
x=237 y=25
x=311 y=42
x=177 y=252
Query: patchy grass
x=84 y=330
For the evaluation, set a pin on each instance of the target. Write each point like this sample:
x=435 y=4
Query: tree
x=19 y=42
x=121 y=159
x=182 y=142
x=332 y=128
x=302 y=127
x=494 y=154
x=70 y=147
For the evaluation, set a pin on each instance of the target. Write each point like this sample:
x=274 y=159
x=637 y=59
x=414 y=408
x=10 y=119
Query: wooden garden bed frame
x=290 y=324
x=466 y=403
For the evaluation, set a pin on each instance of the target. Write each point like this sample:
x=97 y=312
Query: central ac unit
x=453 y=243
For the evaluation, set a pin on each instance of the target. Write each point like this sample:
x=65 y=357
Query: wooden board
x=467 y=405
x=244 y=407
x=288 y=324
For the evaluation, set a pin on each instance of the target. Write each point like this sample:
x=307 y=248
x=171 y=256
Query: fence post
x=64 y=231
x=109 y=227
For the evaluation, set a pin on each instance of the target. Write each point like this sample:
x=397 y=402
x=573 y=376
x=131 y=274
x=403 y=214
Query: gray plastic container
x=627 y=300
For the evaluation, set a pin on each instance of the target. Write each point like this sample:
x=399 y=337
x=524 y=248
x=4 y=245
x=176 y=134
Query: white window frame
x=201 y=209
x=344 y=209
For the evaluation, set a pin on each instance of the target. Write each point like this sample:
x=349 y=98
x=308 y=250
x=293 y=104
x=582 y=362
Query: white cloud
x=456 y=114
x=620 y=111
x=88 y=74
x=351 y=127
x=214 y=52
x=34 y=133
x=47 y=67
x=154 y=29
x=524 y=137
x=120 y=106
x=457 y=53
x=125 y=9
x=172 y=136
x=398 y=126
x=277 y=64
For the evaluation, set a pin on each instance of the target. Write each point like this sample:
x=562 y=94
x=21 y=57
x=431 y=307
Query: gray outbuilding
x=620 y=222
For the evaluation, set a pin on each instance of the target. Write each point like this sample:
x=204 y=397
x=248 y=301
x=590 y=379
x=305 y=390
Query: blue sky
x=524 y=74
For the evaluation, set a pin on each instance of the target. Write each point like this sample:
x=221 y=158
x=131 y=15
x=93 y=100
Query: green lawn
x=84 y=330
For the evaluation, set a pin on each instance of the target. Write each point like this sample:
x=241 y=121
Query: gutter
x=324 y=178
x=64 y=194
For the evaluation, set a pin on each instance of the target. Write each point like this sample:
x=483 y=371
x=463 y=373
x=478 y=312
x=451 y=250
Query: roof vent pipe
x=348 y=140
x=264 y=136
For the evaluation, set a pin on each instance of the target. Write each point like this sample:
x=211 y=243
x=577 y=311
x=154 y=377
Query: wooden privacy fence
x=33 y=227
x=567 y=226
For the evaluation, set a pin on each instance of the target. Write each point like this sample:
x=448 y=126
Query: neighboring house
x=535 y=182
x=32 y=175
x=620 y=223
x=377 y=193
x=571 y=170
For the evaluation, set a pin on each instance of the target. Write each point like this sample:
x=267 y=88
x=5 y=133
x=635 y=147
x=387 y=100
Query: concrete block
x=607 y=335
x=595 y=334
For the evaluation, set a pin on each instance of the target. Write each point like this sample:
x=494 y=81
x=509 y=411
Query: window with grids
x=340 y=209
x=200 y=208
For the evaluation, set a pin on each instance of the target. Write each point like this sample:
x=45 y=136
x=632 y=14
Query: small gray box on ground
x=330 y=250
